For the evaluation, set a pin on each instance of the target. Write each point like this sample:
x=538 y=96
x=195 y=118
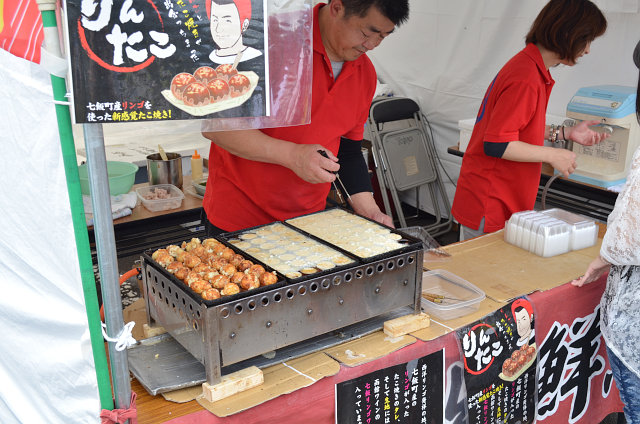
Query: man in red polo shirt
x=260 y=176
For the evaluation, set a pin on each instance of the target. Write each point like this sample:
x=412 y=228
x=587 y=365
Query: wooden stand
x=152 y=331
x=403 y=325
x=233 y=383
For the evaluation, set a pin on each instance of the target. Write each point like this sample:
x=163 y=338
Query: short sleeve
x=513 y=110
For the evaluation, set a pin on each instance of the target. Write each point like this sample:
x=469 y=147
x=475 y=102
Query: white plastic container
x=466 y=128
x=153 y=197
x=584 y=231
x=552 y=238
x=460 y=296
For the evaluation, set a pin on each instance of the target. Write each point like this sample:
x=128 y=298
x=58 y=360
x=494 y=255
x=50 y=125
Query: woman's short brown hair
x=565 y=27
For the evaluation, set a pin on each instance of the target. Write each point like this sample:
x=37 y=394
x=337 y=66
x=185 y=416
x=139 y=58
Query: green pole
x=77 y=214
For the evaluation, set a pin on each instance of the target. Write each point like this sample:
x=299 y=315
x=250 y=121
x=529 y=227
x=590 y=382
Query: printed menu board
x=154 y=60
x=412 y=392
x=499 y=355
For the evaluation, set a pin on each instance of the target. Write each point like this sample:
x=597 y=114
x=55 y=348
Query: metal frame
x=253 y=325
x=406 y=112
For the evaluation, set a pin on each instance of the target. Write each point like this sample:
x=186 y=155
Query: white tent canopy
x=444 y=58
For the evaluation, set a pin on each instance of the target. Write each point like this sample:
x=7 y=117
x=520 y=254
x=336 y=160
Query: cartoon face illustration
x=523 y=315
x=229 y=19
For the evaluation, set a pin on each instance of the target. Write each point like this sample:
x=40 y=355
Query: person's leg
x=628 y=384
x=467 y=233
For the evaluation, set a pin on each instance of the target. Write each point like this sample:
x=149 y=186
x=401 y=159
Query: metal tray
x=410 y=243
x=228 y=237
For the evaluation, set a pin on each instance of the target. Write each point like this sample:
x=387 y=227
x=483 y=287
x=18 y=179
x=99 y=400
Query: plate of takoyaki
x=520 y=361
x=210 y=90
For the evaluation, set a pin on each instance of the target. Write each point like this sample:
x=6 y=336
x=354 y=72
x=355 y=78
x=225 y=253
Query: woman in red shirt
x=501 y=167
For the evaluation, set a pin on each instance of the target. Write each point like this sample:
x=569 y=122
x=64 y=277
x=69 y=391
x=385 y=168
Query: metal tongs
x=323 y=153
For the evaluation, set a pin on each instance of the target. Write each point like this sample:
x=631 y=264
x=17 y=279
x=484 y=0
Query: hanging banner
x=499 y=354
x=410 y=393
x=153 y=60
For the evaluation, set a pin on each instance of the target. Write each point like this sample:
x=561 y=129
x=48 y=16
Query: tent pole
x=52 y=44
x=107 y=260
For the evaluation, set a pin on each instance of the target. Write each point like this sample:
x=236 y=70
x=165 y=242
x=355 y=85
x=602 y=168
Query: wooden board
x=504 y=271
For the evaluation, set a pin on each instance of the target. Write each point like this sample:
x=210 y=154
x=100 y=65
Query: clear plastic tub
x=160 y=197
x=584 y=231
x=460 y=297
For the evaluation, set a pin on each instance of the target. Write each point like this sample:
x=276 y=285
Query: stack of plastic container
x=550 y=232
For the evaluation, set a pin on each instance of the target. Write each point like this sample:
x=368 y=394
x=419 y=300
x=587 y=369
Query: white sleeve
x=621 y=243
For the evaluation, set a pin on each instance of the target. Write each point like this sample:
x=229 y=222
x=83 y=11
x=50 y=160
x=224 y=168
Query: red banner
x=21 y=31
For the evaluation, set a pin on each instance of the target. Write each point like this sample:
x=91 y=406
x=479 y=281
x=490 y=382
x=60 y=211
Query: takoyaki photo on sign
x=209 y=90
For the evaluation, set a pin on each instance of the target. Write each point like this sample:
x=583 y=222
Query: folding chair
x=405 y=158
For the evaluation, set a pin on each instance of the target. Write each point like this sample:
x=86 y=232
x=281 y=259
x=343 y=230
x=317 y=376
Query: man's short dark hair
x=396 y=10
x=565 y=27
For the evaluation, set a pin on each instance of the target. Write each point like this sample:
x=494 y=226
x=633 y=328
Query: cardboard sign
x=499 y=353
x=412 y=392
x=154 y=60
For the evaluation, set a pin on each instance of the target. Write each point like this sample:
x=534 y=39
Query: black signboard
x=412 y=392
x=499 y=354
x=152 y=60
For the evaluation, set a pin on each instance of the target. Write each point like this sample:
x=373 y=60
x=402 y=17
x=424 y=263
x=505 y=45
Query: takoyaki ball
x=180 y=254
x=218 y=90
x=199 y=251
x=204 y=74
x=524 y=347
x=230 y=289
x=217 y=263
x=257 y=269
x=218 y=248
x=268 y=278
x=227 y=254
x=209 y=275
x=196 y=94
x=244 y=265
x=250 y=281
x=219 y=281
x=201 y=268
x=155 y=254
x=210 y=243
x=237 y=277
x=210 y=294
x=531 y=352
x=226 y=71
x=199 y=286
x=506 y=367
x=191 y=260
x=228 y=270
x=235 y=261
x=513 y=368
x=192 y=244
x=173 y=250
x=174 y=266
x=522 y=359
x=238 y=85
x=180 y=82
x=515 y=355
x=164 y=259
x=182 y=273
x=191 y=278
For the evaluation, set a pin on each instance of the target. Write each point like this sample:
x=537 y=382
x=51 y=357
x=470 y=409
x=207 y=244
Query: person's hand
x=595 y=269
x=382 y=218
x=311 y=166
x=563 y=160
x=364 y=204
x=584 y=135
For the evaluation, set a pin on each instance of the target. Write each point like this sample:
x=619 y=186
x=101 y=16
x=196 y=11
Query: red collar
x=534 y=53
